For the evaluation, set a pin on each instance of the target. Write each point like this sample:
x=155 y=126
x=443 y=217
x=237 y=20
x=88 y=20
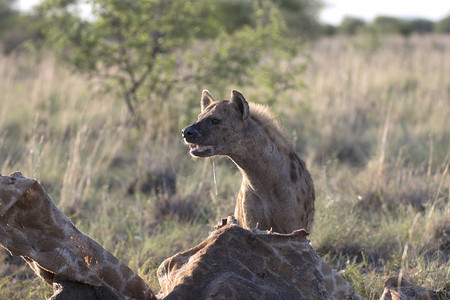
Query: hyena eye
x=215 y=121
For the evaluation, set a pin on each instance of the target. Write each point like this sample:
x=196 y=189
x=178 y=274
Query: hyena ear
x=241 y=104
x=207 y=99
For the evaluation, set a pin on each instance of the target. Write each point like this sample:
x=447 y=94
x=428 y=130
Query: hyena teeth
x=200 y=148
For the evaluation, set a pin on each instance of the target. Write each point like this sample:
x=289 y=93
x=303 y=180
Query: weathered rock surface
x=235 y=263
x=33 y=227
x=397 y=288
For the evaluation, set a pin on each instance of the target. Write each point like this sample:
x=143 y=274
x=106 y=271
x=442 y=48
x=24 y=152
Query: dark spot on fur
x=300 y=163
x=303 y=192
x=278 y=193
x=294 y=175
x=293 y=157
x=302 y=166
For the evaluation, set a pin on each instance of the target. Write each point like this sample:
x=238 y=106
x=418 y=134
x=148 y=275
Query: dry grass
x=371 y=121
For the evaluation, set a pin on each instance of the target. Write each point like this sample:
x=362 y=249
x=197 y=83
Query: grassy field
x=371 y=120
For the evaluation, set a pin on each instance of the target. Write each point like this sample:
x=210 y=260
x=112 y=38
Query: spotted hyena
x=277 y=190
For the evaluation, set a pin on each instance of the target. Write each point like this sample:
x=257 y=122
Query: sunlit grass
x=371 y=121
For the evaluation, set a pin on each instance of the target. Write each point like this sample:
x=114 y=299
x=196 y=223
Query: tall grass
x=384 y=150
x=371 y=121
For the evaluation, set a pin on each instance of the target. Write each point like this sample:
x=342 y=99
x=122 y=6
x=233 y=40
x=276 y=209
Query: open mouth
x=200 y=150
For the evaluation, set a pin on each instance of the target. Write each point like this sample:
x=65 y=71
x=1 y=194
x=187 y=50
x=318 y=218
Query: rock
x=235 y=263
x=33 y=227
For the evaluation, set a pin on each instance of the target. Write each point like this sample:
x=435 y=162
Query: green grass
x=371 y=120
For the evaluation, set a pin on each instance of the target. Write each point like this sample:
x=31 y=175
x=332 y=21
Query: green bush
x=143 y=50
x=443 y=26
x=351 y=25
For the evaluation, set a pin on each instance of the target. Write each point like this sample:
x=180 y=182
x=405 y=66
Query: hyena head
x=220 y=126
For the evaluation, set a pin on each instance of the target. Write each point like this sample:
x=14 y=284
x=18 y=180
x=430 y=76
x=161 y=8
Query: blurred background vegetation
x=92 y=106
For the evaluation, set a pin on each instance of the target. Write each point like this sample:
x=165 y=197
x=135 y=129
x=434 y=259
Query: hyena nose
x=189 y=132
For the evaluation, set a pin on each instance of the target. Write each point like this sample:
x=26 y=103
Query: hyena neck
x=265 y=163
